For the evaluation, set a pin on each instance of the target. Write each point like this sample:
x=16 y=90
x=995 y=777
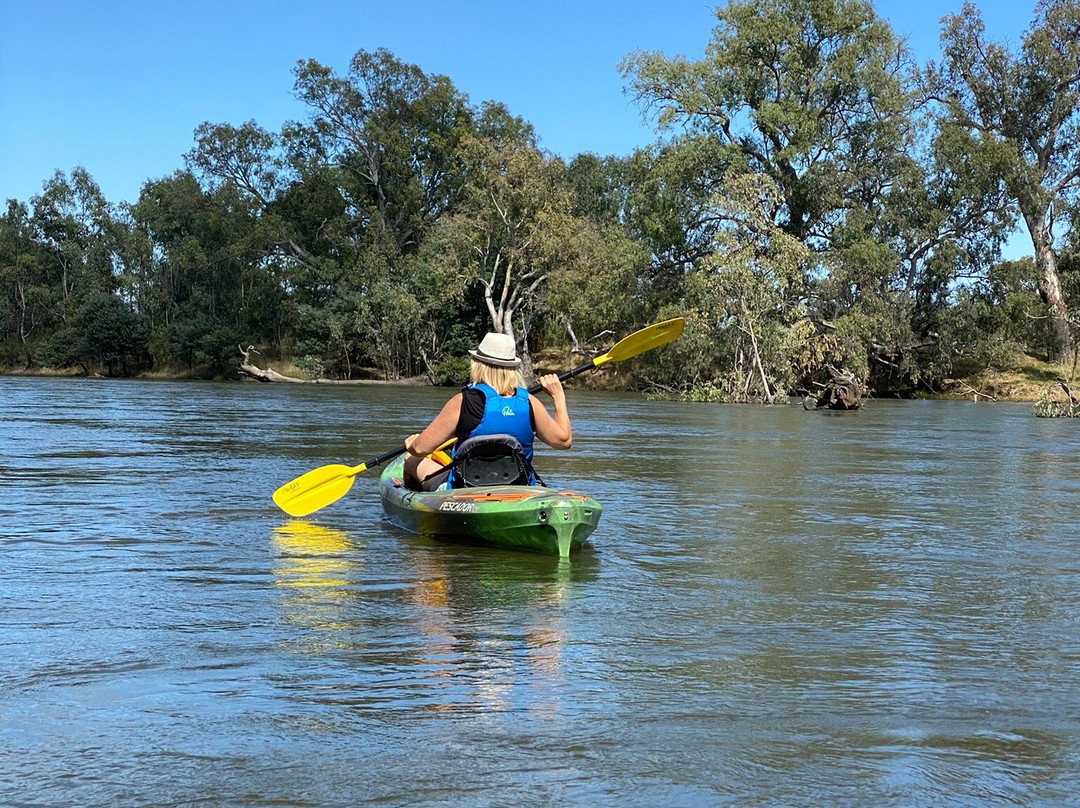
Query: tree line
x=815 y=199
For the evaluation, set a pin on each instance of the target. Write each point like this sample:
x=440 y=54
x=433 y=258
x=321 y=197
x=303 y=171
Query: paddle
x=322 y=486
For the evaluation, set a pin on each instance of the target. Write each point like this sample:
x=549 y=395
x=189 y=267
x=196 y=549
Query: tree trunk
x=268 y=375
x=1046 y=264
x=1051 y=294
x=246 y=368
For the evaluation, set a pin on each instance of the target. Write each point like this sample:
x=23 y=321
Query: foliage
x=1051 y=405
x=1023 y=107
x=805 y=92
x=813 y=97
x=110 y=334
x=814 y=202
x=203 y=340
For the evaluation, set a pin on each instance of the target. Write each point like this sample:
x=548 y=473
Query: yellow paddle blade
x=644 y=340
x=319 y=487
x=316 y=489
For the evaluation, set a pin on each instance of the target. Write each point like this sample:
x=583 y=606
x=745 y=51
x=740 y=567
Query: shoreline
x=985 y=388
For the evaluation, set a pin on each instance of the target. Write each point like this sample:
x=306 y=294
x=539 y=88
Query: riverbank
x=1022 y=379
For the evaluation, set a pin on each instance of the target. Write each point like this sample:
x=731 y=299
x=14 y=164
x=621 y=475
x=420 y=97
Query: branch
x=975 y=393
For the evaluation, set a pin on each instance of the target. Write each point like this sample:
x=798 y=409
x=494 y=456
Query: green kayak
x=534 y=518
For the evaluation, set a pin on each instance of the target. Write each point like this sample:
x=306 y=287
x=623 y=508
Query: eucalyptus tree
x=212 y=287
x=814 y=95
x=515 y=230
x=300 y=232
x=668 y=206
x=109 y=333
x=247 y=155
x=347 y=197
x=501 y=235
x=751 y=286
x=1021 y=110
x=254 y=162
x=808 y=92
x=75 y=224
x=25 y=299
x=608 y=289
x=393 y=132
x=600 y=186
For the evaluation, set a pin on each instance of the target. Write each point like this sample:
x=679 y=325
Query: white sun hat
x=496 y=349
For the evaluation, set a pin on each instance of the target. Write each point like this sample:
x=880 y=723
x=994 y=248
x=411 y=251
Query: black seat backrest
x=490 y=460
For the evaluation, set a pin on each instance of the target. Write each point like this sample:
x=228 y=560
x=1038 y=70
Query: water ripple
x=779 y=608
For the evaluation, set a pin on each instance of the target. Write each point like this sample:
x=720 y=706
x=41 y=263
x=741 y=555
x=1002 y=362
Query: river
x=779 y=608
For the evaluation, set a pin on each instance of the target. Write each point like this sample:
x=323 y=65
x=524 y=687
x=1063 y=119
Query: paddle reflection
x=310 y=555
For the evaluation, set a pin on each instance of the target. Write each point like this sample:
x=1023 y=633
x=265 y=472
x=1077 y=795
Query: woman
x=496 y=402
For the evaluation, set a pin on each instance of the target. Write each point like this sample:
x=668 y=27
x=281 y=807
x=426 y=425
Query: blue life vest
x=503 y=415
x=506 y=415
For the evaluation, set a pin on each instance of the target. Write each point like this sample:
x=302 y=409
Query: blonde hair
x=504 y=380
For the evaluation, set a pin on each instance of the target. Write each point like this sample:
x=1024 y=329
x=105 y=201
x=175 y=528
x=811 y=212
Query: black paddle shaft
x=569 y=374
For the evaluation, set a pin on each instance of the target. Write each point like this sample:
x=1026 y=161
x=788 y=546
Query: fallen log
x=268 y=375
x=246 y=368
x=843 y=391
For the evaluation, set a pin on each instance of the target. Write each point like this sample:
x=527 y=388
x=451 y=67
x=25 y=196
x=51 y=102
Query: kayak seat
x=491 y=460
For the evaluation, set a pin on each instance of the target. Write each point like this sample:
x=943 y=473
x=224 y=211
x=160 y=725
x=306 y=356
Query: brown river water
x=779 y=608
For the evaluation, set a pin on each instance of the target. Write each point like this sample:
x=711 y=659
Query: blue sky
x=119 y=87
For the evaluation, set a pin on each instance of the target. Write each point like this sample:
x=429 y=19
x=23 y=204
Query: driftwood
x=268 y=375
x=842 y=392
x=575 y=346
x=252 y=371
x=967 y=390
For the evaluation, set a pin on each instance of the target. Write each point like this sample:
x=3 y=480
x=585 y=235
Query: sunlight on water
x=778 y=608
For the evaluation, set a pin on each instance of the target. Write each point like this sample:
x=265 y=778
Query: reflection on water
x=311 y=555
x=449 y=651
x=779 y=608
x=460 y=596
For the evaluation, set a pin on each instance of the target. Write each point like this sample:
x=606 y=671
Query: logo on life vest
x=508 y=411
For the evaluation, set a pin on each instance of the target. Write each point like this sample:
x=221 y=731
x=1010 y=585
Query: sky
x=119 y=87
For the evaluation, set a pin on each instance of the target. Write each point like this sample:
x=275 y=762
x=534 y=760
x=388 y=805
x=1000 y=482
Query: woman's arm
x=438 y=432
x=555 y=432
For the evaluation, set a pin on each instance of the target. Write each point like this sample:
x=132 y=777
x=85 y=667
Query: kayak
x=525 y=517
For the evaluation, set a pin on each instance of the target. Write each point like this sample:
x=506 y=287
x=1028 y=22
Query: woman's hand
x=552 y=385
x=555 y=432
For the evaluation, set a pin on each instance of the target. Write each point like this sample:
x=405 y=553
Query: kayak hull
x=531 y=518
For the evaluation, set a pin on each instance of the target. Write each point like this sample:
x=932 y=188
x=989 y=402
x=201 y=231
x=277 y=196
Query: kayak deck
x=521 y=517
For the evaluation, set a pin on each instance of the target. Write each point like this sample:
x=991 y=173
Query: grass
x=1020 y=378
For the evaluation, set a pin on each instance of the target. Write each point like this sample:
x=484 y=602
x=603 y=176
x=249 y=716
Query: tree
x=392 y=132
x=747 y=321
x=76 y=227
x=245 y=155
x=109 y=333
x=212 y=273
x=1023 y=108
x=668 y=207
x=807 y=92
x=24 y=297
x=515 y=225
x=816 y=96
